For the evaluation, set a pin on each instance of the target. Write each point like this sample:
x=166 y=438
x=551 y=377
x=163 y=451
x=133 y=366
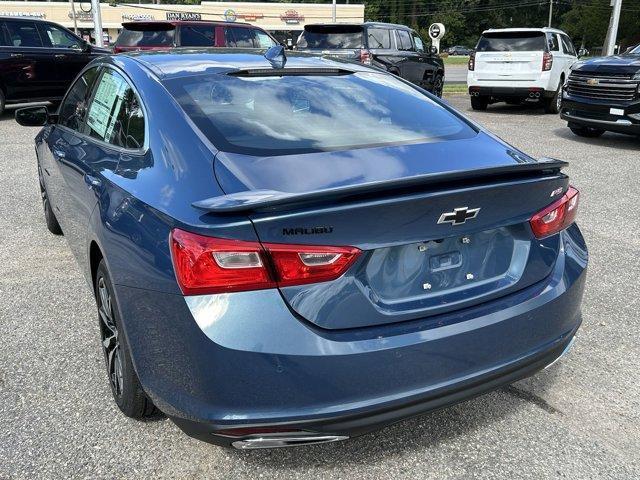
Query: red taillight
x=472 y=61
x=299 y=264
x=547 y=61
x=557 y=216
x=216 y=265
x=365 y=56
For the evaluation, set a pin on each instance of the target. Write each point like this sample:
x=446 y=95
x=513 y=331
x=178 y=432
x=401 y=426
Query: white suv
x=518 y=64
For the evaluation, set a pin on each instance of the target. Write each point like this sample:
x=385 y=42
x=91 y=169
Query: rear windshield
x=511 y=42
x=279 y=115
x=147 y=36
x=330 y=37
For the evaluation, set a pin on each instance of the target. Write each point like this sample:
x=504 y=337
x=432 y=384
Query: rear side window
x=379 y=38
x=115 y=115
x=23 y=34
x=512 y=42
x=156 y=36
x=279 y=115
x=404 y=40
x=418 y=42
x=197 y=35
x=328 y=37
x=74 y=107
x=552 y=41
x=239 y=37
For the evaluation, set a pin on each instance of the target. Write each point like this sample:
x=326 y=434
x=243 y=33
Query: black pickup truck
x=603 y=94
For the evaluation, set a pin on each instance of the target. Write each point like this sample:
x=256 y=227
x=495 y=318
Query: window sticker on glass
x=105 y=105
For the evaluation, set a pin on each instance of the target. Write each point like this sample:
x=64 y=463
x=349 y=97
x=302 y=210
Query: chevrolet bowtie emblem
x=459 y=215
x=592 y=81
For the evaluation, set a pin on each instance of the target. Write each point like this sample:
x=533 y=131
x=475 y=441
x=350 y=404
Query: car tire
x=52 y=222
x=481 y=102
x=437 y=85
x=123 y=380
x=554 y=104
x=587 y=132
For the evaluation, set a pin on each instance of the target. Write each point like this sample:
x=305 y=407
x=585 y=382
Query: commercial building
x=284 y=20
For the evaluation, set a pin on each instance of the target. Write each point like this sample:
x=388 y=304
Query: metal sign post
x=75 y=20
x=612 y=33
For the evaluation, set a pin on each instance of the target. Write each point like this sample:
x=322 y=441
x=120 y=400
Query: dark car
x=304 y=251
x=39 y=60
x=603 y=94
x=162 y=35
x=459 y=50
x=396 y=48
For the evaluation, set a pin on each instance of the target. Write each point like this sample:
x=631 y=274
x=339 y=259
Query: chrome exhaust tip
x=279 y=441
x=564 y=352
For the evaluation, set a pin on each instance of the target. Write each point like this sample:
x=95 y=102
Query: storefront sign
x=23 y=14
x=250 y=17
x=291 y=17
x=183 y=16
x=82 y=16
x=137 y=16
x=230 y=15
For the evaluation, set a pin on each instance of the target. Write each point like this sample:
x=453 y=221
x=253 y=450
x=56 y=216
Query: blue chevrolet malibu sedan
x=287 y=251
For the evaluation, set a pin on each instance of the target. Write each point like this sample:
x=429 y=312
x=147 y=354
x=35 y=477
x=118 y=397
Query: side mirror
x=86 y=47
x=32 y=116
x=433 y=50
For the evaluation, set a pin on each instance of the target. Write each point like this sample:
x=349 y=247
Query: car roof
x=532 y=29
x=186 y=61
x=365 y=24
x=186 y=22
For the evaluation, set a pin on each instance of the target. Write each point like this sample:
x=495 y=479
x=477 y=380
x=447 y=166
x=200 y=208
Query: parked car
x=603 y=94
x=520 y=64
x=39 y=60
x=459 y=50
x=299 y=250
x=162 y=35
x=395 y=48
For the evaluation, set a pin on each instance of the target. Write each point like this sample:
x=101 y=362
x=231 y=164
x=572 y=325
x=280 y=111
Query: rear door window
x=23 y=34
x=329 y=37
x=263 y=40
x=379 y=38
x=147 y=36
x=115 y=114
x=512 y=42
x=197 y=35
x=239 y=37
x=567 y=45
x=418 y=42
x=404 y=40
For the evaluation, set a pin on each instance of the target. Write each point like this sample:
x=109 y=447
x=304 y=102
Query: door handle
x=92 y=182
x=59 y=55
x=16 y=55
x=58 y=154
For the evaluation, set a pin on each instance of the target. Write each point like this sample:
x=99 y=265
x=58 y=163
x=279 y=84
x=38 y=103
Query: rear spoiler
x=254 y=200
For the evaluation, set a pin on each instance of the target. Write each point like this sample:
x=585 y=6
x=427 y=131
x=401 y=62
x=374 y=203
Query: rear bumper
x=511 y=92
x=597 y=114
x=244 y=360
x=511 y=87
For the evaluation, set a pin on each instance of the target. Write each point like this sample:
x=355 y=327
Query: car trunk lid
x=439 y=229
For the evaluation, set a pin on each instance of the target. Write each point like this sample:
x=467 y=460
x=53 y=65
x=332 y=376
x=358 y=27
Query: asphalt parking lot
x=580 y=419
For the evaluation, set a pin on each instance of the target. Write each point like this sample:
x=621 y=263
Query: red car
x=160 y=35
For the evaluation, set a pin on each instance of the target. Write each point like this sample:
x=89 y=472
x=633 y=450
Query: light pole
x=75 y=20
x=550 y=11
x=97 y=22
x=612 y=34
x=333 y=11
